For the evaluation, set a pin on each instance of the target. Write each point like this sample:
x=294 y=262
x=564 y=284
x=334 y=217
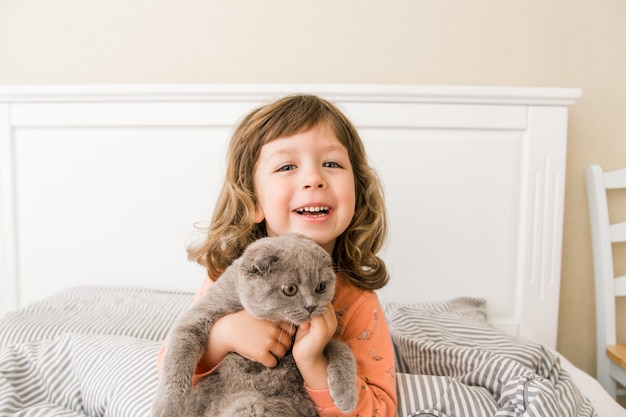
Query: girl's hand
x=308 y=348
x=255 y=339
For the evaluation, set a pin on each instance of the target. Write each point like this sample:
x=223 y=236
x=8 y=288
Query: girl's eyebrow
x=335 y=148
x=281 y=153
x=290 y=149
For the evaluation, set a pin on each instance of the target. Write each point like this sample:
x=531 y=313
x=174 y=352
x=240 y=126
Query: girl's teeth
x=312 y=210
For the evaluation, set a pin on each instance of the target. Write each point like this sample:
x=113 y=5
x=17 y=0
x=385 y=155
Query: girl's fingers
x=288 y=328
x=268 y=360
x=278 y=342
x=279 y=350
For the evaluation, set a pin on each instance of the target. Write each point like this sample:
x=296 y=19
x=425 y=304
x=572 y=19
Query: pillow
x=450 y=346
x=137 y=312
x=466 y=307
x=78 y=375
x=472 y=308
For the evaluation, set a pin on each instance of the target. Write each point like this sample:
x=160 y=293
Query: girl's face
x=305 y=184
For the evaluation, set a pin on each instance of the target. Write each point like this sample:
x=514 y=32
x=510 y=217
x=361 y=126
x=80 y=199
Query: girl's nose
x=314 y=185
x=314 y=179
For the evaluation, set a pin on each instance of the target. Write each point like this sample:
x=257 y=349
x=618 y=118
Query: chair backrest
x=603 y=235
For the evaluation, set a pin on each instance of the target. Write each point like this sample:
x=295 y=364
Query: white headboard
x=102 y=185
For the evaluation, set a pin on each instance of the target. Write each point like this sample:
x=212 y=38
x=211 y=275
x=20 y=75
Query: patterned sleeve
x=364 y=328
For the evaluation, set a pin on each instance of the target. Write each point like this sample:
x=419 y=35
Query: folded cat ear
x=261 y=264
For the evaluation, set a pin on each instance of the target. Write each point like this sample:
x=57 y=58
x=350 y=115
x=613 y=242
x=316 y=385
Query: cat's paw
x=342 y=376
x=345 y=400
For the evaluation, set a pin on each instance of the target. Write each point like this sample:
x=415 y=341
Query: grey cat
x=287 y=278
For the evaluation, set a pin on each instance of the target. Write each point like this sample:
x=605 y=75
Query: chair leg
x=617 y=375
x=604 y=376
x=609 y=385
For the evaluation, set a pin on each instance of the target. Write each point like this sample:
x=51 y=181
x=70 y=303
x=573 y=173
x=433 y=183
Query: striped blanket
x=456 y=364
x=85 y=352
x=92 y=352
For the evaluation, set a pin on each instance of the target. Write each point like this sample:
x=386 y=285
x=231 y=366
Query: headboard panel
x=103 y=185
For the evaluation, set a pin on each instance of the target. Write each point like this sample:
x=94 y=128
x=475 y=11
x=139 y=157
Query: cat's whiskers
x=282 y=330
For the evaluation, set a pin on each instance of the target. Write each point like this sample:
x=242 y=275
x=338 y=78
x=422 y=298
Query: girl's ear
x=258 y=214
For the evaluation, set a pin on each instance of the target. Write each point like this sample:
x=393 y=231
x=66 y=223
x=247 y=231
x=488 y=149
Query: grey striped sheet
x=79 y=375
x=86 y=351
x=137 y=312
x=462 y=366
x=441 y=396
x=92 y=352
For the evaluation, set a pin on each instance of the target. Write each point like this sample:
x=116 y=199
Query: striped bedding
x=87 y=351
x=92 y=352
x=459 y=365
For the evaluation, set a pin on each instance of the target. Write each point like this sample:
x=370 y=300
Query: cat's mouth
x=314 y=211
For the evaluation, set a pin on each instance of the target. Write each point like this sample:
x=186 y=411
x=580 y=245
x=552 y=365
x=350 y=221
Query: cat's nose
x=310 y=309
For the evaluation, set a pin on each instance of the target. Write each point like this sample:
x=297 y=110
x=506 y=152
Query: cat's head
x=288 y=278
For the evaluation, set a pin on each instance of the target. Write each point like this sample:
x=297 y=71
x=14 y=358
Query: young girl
x=298 y=166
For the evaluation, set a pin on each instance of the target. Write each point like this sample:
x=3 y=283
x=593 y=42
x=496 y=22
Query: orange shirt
x=362 y=325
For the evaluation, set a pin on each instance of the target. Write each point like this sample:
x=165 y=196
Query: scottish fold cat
x=287 y=278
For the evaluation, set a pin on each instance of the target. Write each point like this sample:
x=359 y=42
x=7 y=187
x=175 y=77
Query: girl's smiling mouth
x=314 y=211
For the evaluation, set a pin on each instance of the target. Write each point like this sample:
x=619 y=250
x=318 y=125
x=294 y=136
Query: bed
x=102 y=187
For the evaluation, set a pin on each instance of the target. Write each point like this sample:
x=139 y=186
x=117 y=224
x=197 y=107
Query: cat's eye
x=289 y=290
x=320 y=287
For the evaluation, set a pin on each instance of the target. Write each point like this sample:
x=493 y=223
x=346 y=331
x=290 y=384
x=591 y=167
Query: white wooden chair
x=611 y=356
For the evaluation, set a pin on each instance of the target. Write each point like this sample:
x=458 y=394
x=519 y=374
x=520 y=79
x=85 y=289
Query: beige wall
x=545 y=43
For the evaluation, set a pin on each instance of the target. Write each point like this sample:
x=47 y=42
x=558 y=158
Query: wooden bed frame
x=102 y=185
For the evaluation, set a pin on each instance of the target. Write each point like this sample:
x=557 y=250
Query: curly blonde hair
x=232 y=227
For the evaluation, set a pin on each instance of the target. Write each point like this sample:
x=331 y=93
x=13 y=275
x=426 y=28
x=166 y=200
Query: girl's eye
x=331 y=164
x=287 y=167
x=320 y=287
x=289 y=290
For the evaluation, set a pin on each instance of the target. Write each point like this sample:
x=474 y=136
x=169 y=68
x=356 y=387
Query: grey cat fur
x=241 y=387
